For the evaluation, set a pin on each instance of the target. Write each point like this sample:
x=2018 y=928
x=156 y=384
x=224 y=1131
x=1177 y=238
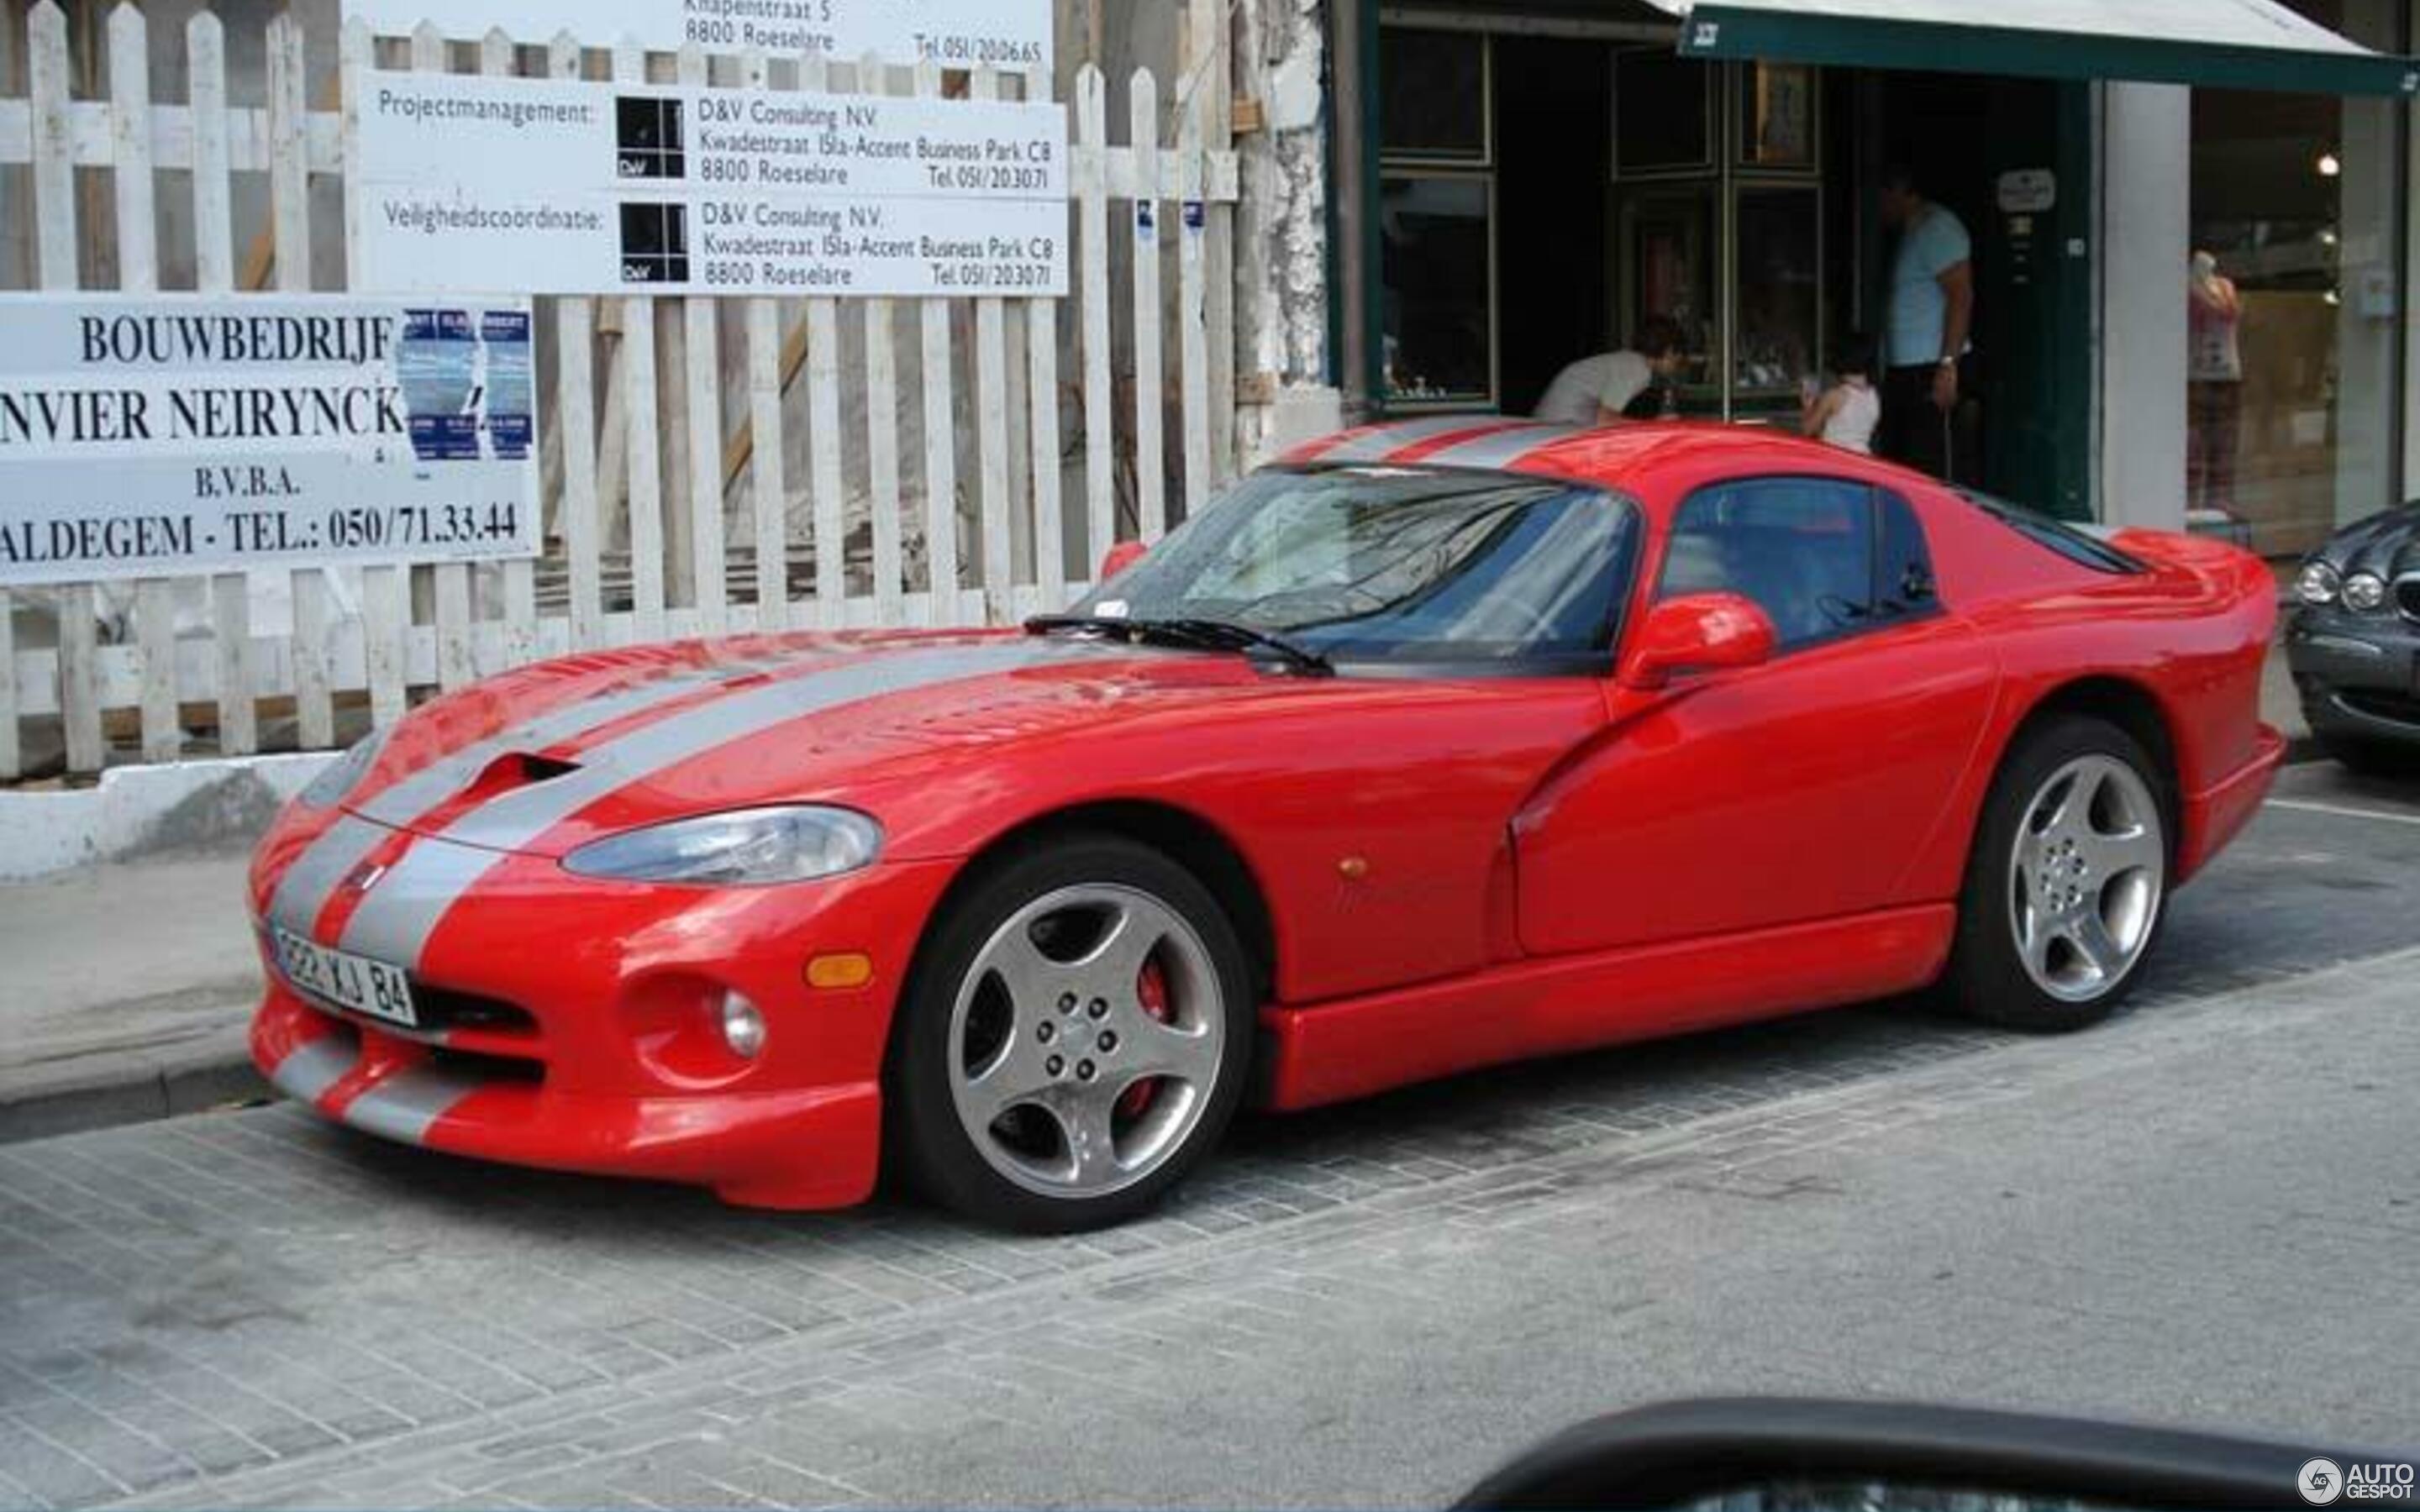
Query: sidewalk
x=125 y=989
x=124 y=993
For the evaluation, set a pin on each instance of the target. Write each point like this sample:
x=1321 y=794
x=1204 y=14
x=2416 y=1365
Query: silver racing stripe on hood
x=395 y=919
x=414 y=796
x=303 y=891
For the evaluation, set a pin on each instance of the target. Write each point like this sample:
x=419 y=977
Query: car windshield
x=1392 y=563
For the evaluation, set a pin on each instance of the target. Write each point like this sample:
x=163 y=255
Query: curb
x=138 y=1089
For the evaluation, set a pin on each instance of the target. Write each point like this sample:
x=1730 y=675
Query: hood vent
x=517 y=769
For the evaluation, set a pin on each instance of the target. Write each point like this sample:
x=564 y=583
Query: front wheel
x=2067 y=886
x=1074 y=1039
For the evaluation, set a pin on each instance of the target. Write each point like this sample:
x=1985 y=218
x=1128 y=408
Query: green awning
x=2232 y=44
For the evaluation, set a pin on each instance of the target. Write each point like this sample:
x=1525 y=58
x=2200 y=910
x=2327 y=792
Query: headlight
x=2318 y=585
x=2365 y=591
x=342 y=776
x=744 y=848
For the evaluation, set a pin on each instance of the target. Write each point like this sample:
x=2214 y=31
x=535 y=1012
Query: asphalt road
x=2206 y=1212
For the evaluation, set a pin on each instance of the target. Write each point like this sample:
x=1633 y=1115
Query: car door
x=1800 y=789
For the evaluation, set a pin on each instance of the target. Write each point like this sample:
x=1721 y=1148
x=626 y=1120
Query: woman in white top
x=1846 y=414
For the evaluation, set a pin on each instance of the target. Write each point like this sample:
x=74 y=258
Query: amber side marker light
x=832 y=973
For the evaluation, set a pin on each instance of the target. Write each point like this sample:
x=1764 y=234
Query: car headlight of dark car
x=2365 y=592
x=741 y=848
x=2319 y=584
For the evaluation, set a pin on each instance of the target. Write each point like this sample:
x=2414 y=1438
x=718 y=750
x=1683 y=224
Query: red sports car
x=1440 y=743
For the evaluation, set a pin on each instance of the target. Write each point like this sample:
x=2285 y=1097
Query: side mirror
x=1697 y=633
x=1119 y=557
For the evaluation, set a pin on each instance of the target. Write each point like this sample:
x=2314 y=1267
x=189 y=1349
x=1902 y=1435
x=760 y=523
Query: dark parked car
x=2355 y=643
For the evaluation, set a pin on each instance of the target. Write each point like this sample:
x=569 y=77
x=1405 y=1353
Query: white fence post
x=239 y=670
x=941 y=434
x=1151 y=473
x=289 y=201
x=1092 y=189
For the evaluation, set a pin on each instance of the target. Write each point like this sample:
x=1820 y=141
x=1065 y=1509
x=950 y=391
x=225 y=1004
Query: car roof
x=1615 y=455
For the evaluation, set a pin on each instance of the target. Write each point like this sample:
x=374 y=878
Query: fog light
x=743 y=1026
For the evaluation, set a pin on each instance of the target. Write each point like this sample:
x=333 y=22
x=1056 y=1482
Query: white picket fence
x=669 y=513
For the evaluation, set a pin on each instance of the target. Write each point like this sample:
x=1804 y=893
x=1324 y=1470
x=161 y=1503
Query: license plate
x=346 y=980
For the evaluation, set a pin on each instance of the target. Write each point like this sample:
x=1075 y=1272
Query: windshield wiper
x=1220 y=635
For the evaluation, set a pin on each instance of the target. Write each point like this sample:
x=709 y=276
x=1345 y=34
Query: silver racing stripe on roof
x=1384 y=443
x=395 y=919
x=1500 y=449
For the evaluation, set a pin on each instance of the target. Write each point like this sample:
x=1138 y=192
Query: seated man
x=1616 y=386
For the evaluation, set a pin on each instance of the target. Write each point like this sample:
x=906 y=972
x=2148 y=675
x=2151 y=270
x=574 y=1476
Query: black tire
x=935 y=1149
x=2371 y=758
x=1986 y=978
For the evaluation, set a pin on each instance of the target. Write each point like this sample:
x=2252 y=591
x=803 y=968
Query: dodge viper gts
x=1436 y=744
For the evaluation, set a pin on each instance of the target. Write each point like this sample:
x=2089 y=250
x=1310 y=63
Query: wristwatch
x=1948 y=362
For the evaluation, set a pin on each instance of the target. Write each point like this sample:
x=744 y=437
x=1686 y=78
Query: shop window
x=1777 y=117
x=1438 y=299
x=1668 y=269
x=1663 y=112
x=1779 y=236
x=1433 y=94
x=2294 y=296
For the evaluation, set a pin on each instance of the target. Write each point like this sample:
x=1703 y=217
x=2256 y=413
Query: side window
x=1802 y=548
x=1904 y=582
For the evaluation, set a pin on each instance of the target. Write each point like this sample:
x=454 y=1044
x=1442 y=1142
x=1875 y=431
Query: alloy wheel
x=2086 y=877
x=1085 y=1041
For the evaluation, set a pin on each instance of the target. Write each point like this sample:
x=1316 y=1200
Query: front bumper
x=574 y=1025
x=2358 y=675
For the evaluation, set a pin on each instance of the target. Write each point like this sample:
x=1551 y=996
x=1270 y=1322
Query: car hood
x=547 y=759
x=2387 y=544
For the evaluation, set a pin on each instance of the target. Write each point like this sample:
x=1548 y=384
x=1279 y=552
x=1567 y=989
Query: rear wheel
x=1075 y=1038
x=2067 y=886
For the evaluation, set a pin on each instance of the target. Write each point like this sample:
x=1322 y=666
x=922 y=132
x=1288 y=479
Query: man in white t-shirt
x=1616 y=386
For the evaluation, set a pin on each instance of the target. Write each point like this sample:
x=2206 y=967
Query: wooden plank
x=1041 y=395
x=449 y=589
x=137 y=224
x=1092 y=292
x=1192 y=328
x=16 y=216
x=643 y=463
x=518 y=645
x=1150 y=469
x=1213 y=65
x=703 y=395
x=289 y=198
x=55 y=221
x=941 y=431
x=768 y=485
x=991 y=428
x=386 y=617
x=238 y=668
x=883 y=415
x=823 y=426
x=575 y=421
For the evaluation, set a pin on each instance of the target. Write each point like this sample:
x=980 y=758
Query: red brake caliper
x=1151 y=987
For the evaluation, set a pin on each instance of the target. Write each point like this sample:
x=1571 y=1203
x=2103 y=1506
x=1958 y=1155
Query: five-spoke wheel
x=2068 y=880
x=2086 y=876
x=1074 y=1036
